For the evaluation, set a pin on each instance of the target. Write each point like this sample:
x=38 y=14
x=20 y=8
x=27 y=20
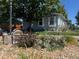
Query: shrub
x=50 y=42
x=54 y=42
x=24 y=40
x=22 y=56
x=71 y=40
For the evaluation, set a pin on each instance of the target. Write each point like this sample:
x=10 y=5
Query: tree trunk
x=30 y=28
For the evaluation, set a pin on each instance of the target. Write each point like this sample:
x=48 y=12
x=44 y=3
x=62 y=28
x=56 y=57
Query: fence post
x=12 y=38
x=3 y=38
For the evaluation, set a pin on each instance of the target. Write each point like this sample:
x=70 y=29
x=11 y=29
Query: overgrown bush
x=50 y=42
x=24 y=40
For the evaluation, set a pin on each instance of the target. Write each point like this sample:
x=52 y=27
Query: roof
x=59 y=14
x=56 y=14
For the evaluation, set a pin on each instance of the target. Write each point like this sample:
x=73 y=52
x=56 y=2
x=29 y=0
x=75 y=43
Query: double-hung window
x=41 y=22
x=51 y=21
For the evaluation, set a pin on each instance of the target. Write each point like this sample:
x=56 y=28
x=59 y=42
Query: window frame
x=42 y=20
x=49 y=19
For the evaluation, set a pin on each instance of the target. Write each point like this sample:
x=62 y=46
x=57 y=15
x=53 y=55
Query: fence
x=12 y=39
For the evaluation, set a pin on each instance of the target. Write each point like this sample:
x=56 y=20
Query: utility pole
x=10 y=16
x=11 y=21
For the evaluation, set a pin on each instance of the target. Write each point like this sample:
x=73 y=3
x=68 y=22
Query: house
x=52 y=22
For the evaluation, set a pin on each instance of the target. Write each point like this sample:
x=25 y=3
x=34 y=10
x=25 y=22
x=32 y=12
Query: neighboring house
x=52 y=22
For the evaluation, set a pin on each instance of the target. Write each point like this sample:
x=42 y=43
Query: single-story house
x=52 y=22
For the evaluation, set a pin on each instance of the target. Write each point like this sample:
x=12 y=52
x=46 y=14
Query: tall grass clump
x=22 y=55
x=71 y=40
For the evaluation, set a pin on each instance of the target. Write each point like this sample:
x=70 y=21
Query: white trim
x=42 y=22
x=49 y=18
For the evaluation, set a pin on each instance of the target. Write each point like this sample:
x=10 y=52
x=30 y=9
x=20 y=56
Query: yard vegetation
x=43 y=47
x=71 y=33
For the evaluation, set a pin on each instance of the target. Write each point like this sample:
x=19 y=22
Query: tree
x=31 y=10
x=62 y=11
x=77 y=18
x=69 y=22
x=36 y=9
x=4 y=11
x=71 y=26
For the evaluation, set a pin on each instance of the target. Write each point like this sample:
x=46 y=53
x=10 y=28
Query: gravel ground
x=9 y=52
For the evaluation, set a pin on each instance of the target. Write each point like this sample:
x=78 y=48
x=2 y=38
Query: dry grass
x=71 y=41
x=9 y=52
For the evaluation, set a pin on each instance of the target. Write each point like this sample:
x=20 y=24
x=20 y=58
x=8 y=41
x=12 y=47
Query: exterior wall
x=59 y=24
x=25 y=25
x=52 y=27
x=46 y=24
x=45 y=19
x=37 y=27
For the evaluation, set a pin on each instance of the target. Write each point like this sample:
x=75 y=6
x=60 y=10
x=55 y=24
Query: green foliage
x=4 y=11
x=77 y=18
x=54 y=42
x=78 y=30
x=31 y=9
x=58 y=33
x=22 y=56
x=62 y=11
x=50 y=42
x=70 y=40
x=71 y=26
x=34 y=9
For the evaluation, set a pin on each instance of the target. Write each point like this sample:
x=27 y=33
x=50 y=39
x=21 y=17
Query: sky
x=72 y=7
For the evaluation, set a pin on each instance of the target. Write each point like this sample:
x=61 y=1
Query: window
x=51 y=21
x=40 y=22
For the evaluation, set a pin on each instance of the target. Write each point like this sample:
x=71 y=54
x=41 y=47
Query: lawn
x=57 y=33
